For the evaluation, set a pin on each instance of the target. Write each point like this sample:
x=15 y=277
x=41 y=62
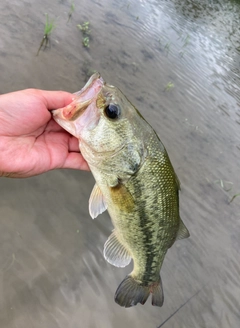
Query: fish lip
x=81 y=100
x=89 y=83
x=88 y=92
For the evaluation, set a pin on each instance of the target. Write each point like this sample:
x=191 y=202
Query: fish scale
x=135 y=182
x=150 y=216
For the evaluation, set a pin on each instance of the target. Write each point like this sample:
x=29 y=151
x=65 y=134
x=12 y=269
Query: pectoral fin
x=115 y=253
x=182 y=231
x=97 y=204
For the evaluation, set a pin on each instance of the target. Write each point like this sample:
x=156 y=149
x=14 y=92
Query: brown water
x=52 y=272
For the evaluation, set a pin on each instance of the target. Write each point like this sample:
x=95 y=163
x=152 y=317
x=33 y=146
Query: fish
x=135 y=183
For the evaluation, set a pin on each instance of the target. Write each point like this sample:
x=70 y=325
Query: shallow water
x=52 y=272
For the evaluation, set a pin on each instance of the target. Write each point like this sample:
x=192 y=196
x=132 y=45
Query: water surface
x=178 y=62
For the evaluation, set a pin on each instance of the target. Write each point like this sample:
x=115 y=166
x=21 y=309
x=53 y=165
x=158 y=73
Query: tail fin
x=131 y=292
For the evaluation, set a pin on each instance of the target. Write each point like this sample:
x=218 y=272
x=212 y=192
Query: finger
x=56 y=99
x=53 y=126
x=75 y=161
x=73 y=144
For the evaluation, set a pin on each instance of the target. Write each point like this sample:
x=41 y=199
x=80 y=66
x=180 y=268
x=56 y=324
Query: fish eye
x=112 y=111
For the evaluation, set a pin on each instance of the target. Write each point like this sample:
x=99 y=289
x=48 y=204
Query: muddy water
x=178 y=62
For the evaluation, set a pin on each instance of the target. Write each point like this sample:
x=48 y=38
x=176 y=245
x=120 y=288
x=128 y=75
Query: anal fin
x=116 y=253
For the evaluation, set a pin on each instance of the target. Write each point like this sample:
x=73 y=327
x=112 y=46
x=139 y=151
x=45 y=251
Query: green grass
x=169 y=86
x=233 y=197
x=84 y=28
x=48 y=28
x=85 y=41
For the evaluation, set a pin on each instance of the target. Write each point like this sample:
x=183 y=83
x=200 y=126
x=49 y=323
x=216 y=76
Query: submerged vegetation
x=85 y=41
x=71 y=11
x=233 y=197
x=84 y=28
x=227 y=186
x=49 y=27
x=169 y=86
x=166 y=45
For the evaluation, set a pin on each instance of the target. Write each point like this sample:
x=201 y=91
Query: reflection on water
x=178 y=62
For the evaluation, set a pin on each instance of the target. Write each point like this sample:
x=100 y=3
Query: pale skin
x=31 y=142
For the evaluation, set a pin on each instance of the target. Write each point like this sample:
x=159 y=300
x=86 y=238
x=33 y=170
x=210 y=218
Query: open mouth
x=68 y=116
x=82 y=99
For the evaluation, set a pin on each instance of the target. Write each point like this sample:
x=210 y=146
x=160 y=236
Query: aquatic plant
x=71 y=11
x=167 y=47
x=85 y=41
x=224 y=184
x=164 y=43
x=169 y=86
x=84 y=28
x=233 y=197
x=48 y=28
x=186 y=40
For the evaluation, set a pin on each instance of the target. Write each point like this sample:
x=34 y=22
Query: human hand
x=31 y=142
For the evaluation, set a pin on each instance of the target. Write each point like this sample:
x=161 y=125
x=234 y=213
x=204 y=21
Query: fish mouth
x=81 y=100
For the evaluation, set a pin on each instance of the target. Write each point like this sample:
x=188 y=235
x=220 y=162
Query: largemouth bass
x=135 y=182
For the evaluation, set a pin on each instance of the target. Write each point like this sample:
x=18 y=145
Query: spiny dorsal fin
x=182 y=231
x=115 y=253
x=97 y=204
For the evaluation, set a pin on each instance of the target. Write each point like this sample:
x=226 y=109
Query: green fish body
x=135 y=182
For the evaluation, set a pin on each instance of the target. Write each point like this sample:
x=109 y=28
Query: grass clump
x=85 y=41
x=48 y=28
x=84 y=28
